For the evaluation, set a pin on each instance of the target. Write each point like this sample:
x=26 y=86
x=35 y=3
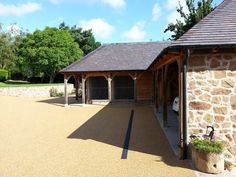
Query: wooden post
x=66 y=78
x=162 y=88
x=154 y=87
x=109 y=80
x=165 y=103
x=83 y=89
x=135 y=88
x=87 y=91
x=157 y=90
x=77 y=84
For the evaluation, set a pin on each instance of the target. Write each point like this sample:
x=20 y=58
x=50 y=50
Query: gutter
x=184 y=102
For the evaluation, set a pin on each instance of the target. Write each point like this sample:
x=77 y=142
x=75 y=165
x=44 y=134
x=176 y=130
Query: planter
x=228 y=166
x=208 y=162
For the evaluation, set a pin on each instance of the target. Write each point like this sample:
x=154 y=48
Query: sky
x=112 y=21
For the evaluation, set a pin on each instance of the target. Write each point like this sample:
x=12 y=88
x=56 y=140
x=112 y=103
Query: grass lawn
x=4 y=85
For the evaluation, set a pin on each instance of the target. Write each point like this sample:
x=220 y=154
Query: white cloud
x=56 y=1
x=136 y=33
x=156 y=12
x=173 y=16
x=100 y=28
x=19 y=9
x=116 y=4
x=171 y=6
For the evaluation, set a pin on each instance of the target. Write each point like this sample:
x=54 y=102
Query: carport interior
x=98 y=88
x=167 y=88
x=123 y=87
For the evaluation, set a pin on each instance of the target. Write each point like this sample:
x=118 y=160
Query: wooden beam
x=166 y=60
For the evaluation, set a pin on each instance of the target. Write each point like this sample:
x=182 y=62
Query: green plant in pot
x=207 y=155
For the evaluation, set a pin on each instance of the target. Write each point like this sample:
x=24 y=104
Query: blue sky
x=111 y=20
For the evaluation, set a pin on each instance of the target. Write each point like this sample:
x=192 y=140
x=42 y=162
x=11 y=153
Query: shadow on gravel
x=59 y=101
x=110 y=125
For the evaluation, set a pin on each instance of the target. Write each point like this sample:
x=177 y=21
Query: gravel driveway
x=40 y=138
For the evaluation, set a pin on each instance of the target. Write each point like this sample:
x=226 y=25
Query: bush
x=17 y=76
x=35 y=80
x=59 y=78
x=54 y=93
x=3 y=75
x=208 y=146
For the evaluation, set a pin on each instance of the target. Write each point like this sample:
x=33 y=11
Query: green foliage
x=3 y=75
x=7 y=54
x=54 y=93
x=208 y=146
x=84 y=38
x=12 y=83
x=192 y=17
x=48 y=51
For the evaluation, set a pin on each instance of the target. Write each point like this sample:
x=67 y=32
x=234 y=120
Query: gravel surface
x=41 y=138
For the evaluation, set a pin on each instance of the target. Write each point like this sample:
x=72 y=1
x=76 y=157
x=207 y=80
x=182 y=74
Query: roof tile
x=117 y=57
x=217 y=28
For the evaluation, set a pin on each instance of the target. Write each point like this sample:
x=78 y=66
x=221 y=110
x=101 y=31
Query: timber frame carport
x=144 y=63
x=81 y=78
x=117 y=60
x=160 y=69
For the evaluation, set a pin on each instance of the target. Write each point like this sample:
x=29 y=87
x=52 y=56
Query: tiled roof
x=117 y=57
x=217 y=28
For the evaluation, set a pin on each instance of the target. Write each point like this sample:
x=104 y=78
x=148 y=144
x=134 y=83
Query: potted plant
x=207 y=155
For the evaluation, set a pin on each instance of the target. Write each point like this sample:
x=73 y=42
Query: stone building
x=199 y=68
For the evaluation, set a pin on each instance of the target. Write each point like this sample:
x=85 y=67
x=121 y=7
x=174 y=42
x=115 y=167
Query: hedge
x=3 y=75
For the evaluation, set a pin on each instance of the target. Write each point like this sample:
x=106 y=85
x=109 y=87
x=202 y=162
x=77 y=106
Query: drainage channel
x=127 y=137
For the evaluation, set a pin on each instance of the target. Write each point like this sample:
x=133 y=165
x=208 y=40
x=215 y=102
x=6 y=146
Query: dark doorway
x=98 y=88
x=172 y=82
x=123 y=88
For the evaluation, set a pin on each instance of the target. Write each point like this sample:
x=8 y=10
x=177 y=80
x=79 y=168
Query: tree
x=84 y=38
x=48 y=51
x=8 y=47
x=6 y=51
x=192 y=17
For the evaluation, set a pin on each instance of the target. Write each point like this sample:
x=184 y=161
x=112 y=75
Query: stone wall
x=35 y=91
x=211 y=94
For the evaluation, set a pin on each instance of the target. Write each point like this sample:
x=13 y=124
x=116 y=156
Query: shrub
x=59 y=78
x=3 y=75
x=208 y=146
x=54 y=93
x=35 y=80
x=16 y=75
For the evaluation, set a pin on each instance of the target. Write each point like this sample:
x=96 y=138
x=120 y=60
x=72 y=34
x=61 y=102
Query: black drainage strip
x=127 y=137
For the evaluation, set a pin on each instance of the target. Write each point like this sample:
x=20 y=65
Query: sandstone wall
x=40 y=91
x=211 y=93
